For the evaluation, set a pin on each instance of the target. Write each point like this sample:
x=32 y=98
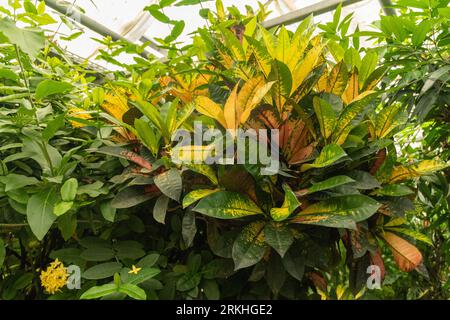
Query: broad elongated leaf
x=352 y=90
x=412 y=233
x=196 y=195
x=14 y=181
x=337 y=81
x=368 y=65
x=102 y=271
x=230 y=109
x=28 y=41
x=40 y=212
x=282 y=87
x=160 y=208
x=388 y=119
x=170 y=183
x=304 y=68
x=209 y=108
x=289 y=205
x=227 y=205
x=99 y=291
x=339 y=212
x=132 y=291
x=49 y=87
x=407 y=256
x=329 y=155
x=249 y=246
x=329 y=184
x=205 y=170
x=278 y=237
x=401 y=173
x=394 y=190
x=326 y=115
x=347 y=116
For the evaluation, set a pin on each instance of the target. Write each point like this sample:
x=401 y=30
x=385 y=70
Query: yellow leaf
x=352 y=90
x=388 y=119
x=247 y=93
x=406 y=256
x=283 y=45
x=257 y=98
x=338 y=78
x=229 y=111
x=400 y=173
x=304 y=68
x=115 y=104
x=209 y=108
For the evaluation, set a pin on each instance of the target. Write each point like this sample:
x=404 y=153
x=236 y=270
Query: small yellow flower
x=55 y=277
x=134 y=270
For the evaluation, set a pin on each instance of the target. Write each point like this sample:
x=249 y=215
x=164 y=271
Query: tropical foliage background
x=87 y=177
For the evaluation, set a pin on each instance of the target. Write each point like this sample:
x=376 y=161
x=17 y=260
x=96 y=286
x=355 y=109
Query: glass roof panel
x=127 y=18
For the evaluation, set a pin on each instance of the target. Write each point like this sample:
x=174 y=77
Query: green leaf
x=339 y=212
x=364 y=180
x=294 y=262
x=326 y=115
x=69 y=189
x=14 y=181
x=393 y=190
x=97 y=254
x=196 y=195
x=62 y=207
x=289 y=205
x=99 y=291
x=40 y=212
x=170 y=183
x=211 y=290
x=329 y=184
x=205 y=170
x=143 y=275
x=278 y=237
x=227 y=205
x=34 y=150
x=160 y=208
x=188 y=281
x=177 y=29
x=249 y=247
x=49 y=87
x=420 y=32
x=52 y=127
x=282 y=87
x=146 y=135
x=154 y=10
x=133 y=291
x=130 y=197
x=329 y=155
x=30 y=42
x=102 y=271
x=368 y=65
x=129 y=249
x=108 y=211
x=189 y=228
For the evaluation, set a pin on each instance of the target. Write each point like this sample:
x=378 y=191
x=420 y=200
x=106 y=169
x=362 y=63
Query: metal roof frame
x=319 y=8
x=65 y=9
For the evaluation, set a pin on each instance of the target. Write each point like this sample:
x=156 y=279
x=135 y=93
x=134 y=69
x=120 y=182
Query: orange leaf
x=407 y=256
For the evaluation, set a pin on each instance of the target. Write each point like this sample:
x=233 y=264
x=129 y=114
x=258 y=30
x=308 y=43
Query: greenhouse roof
x=126 y=19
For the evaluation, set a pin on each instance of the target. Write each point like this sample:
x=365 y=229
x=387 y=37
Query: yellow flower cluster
x=55 y=277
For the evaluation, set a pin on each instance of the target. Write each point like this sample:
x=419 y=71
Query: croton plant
x=338 y=197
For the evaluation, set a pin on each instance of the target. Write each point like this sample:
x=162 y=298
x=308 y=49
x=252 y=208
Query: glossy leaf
x=227 y=205
x=339 y=212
